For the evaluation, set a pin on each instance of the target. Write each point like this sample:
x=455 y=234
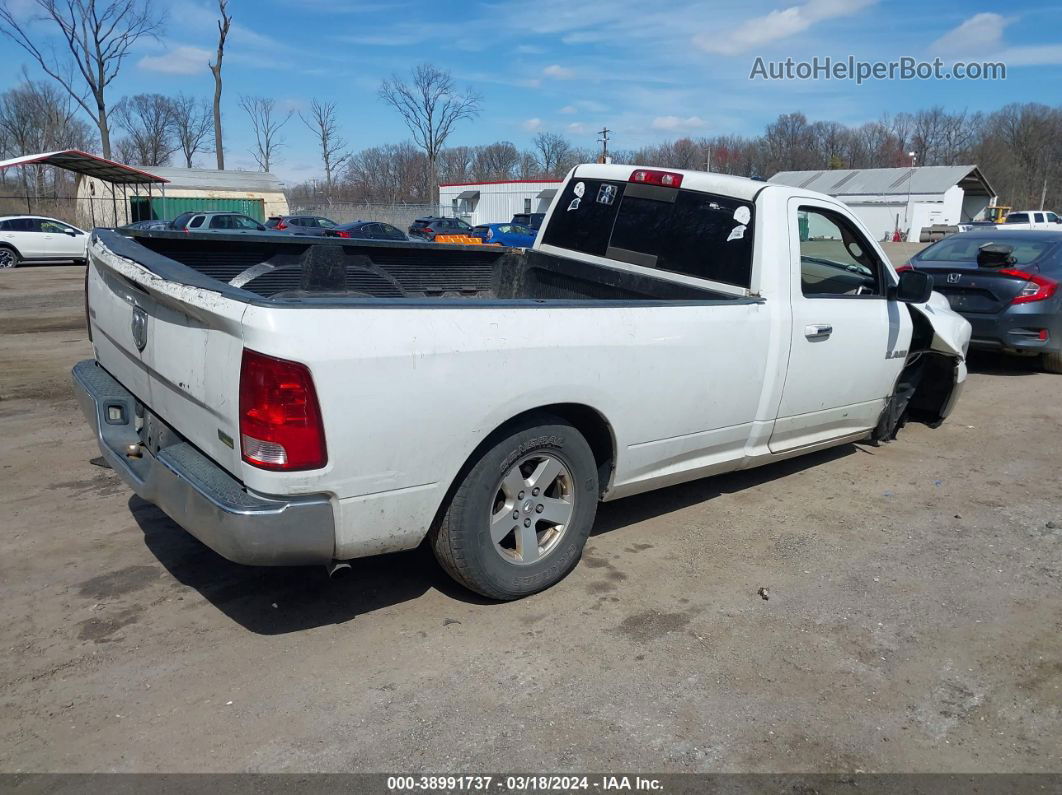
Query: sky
x=649 y=71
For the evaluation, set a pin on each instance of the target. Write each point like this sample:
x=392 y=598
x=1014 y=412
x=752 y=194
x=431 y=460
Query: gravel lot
x=914 y=619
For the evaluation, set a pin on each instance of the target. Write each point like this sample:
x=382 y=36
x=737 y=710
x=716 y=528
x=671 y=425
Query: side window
x=392 y=233
x=835 y=259
x=29 y=224
x=1017 y=218
x=1052 y=218
x=5 y=226
x=196 y=222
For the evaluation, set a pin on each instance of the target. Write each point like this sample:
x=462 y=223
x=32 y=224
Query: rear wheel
x=521 y=514
x=8 y=257
x=1052 y=362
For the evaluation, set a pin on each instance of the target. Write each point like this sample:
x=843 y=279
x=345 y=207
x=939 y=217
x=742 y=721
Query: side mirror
x=915 y=287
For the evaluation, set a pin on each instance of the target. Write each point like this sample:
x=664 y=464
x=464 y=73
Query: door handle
x=818 y=331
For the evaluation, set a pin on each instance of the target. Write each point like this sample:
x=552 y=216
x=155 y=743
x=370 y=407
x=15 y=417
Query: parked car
x=350 y=399
x=148 y=224
x=1031 y=219
x=428 y=227
x=530 y=220
x=300 y=224
x=35 y=238
x=513 y=235
x=1005 y=282
x=367 y=230
x=211 y=221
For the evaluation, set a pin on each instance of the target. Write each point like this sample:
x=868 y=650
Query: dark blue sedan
x=513 y=235
x=1006 y=283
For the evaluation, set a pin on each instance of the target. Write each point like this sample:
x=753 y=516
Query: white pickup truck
x=304 y=400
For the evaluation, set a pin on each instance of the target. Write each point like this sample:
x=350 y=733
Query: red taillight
x=280 y=420
x=1037 y=288
x=907 y=267
x=429 y=230
x=341 y=233
x=281 y=225
x=665 y=179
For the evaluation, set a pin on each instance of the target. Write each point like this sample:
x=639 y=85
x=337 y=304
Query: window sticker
x=580 y=189
x=575 y=203
x=606 y=194
x=736 y=233
x=742 y=215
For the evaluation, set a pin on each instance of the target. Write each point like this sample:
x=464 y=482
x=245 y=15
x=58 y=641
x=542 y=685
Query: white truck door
x=849 y=341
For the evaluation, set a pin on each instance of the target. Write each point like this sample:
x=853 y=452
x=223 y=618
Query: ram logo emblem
x=139 y=328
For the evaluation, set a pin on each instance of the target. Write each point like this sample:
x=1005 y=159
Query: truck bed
x=277 y=269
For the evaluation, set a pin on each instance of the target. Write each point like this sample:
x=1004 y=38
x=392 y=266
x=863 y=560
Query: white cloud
x=532 y=124
x=980 y=34
x=676 y=123
x=981 y=37
x=1033 y=55
x=577 y=128
x=567 y=109
x=776 y=25
x=182 y=60
x=558 y=72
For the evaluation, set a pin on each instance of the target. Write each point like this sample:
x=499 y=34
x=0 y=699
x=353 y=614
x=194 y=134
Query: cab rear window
x=680 y=231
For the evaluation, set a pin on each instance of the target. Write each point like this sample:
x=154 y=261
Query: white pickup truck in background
x=303 y=400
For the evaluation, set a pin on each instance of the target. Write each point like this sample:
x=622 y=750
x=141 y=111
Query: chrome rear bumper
x=197 y=493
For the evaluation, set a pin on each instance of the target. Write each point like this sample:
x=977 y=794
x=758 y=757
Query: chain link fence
x=83 y=212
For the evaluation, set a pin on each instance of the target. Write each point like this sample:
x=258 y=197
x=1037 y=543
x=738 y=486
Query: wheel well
x=594 y=428
x=592 y=425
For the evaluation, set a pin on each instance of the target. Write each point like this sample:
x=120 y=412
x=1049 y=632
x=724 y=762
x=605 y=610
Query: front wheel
x=522 y=512
x=8 y=258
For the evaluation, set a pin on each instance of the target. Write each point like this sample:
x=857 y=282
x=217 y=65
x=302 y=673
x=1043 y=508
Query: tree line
x=1018 y=148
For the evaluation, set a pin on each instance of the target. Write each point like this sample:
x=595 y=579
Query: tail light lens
x=665 y=179
x=1036 y=288
x=907 y=267
x=342 y=233
x=280 y=419
x=429 y=230
x=281 y=225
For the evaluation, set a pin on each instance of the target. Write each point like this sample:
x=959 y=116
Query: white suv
x=33 y=238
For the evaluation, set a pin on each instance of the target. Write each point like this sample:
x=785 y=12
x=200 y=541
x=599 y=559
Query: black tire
x=1052 y=362
x=462 y=540
x=9 y=258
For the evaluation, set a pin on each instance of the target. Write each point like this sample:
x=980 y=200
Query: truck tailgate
x=176 y=347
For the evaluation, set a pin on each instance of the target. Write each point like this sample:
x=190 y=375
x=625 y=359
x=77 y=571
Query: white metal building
x=491 y=202
x=904 y=199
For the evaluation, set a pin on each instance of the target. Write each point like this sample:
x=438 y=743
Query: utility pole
x=603 y=140
x=708 y=160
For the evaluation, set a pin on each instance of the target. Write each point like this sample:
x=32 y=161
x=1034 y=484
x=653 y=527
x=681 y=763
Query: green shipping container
x=166 y=208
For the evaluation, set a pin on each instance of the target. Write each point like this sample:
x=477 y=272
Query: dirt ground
x=914 y=619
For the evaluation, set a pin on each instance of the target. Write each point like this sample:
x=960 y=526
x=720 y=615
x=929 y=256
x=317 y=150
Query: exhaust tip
x=336 y=568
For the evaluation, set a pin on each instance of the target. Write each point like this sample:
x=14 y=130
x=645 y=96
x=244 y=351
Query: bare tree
x=97 y=35
x=149 y=123
x=267 y=122
x=191 y=124
x=430 y=105
x=322 y=123
x=552 y=151
x=40 y=117
x=215 y=68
